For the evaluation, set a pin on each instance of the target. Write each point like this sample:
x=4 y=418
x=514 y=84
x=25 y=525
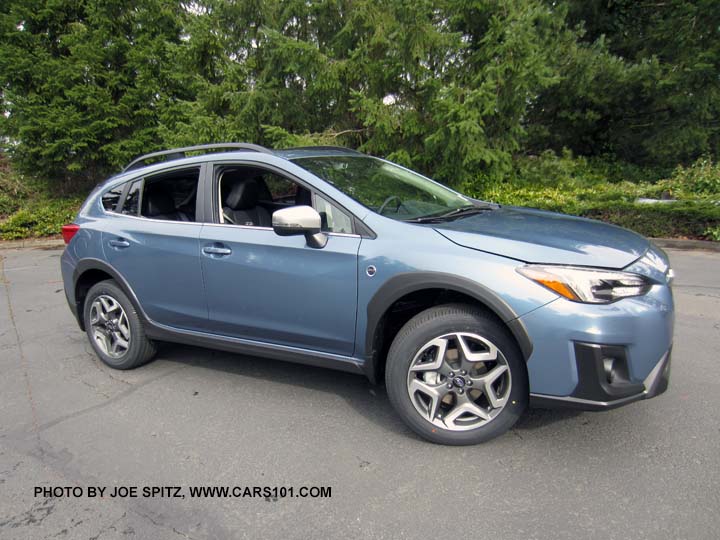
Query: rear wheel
x=114 y=328
x=456 y=376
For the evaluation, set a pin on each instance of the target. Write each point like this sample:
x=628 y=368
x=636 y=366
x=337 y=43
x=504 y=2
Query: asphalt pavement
x=198 y=418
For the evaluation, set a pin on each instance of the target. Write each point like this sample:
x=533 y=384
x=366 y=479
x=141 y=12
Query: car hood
x=538 y=236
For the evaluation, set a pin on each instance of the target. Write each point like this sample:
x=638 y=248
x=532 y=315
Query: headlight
x=587 y=285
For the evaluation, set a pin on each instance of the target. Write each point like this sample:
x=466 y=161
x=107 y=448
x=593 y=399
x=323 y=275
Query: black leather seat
x=241 y=205
x=160 y=205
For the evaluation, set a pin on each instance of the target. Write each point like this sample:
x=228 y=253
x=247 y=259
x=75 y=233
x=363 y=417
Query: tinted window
x=131 y=206
x=332 y=218
x=274 y=192
x=111 y=198
x=385 y=188
x=281 y=189
x=171 y=197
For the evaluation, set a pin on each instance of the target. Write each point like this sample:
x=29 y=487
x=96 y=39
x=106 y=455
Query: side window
x=131 y=206
x=281 y=189
x=332 y=218
x=110 y=198
x=248 y=196
x=170 y=196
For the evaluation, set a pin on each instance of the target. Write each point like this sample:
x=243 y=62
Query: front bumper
x=600 y=356
x=594 y=393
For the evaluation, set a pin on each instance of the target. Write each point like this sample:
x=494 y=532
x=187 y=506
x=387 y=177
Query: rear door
x=155 y=247
x=273 y=289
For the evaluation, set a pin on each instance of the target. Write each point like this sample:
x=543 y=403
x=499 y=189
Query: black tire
x=140 y=349
x=439 y=321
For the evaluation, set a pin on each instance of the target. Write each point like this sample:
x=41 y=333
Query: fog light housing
x=615 y=368
x=603 y=372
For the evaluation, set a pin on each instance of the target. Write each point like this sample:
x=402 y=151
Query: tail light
x=68 y=231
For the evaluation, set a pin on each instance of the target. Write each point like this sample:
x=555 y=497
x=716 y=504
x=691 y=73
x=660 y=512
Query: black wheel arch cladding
x=403 y=284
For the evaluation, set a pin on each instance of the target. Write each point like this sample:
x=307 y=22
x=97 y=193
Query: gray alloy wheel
x=114 y=328
x=110 y=326
x=455 y=375
x=459 y=381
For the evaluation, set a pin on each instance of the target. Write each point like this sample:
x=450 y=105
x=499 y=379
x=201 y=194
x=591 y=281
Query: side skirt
x=254 y=348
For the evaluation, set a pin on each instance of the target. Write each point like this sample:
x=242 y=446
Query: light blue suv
x=469 y=310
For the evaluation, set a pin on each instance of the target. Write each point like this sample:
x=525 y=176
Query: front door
x=274 y=289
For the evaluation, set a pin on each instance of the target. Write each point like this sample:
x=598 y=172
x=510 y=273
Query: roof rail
x=179 y=153
x=324 y=147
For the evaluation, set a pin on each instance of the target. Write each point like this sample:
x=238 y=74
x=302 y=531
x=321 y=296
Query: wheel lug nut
x=449 y=385
x=469 y=382
x=463 y=372
x=451 y=374
x=461 y=391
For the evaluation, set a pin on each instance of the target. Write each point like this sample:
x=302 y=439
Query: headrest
x=243 y=195
x=159 y=202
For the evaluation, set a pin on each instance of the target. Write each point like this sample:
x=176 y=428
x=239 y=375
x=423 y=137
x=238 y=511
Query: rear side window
x=111 y=198
x=170 y=196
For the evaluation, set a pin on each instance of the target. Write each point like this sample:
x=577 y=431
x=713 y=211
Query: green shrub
x=40 y=218
x=678 y=220
x=701 y=179
x=713 y=233
x=12 y=190
x=601 y=190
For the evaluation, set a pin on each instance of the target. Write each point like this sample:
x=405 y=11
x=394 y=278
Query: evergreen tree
x=454 y=88
x=642 y=83
x=87 y=83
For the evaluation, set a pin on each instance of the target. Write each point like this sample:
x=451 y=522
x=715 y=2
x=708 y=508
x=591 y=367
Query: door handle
x=119 y=243
x=216 y=250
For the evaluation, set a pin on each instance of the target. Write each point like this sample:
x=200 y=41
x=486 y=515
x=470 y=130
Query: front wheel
x=456 y=376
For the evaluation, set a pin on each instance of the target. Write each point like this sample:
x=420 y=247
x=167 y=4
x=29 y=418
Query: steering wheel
x=388 y=201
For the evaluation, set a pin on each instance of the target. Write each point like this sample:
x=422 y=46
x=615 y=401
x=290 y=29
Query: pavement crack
x=96 y=362
x=161 y=525
x=34 y=516
x=9 y=472
x=110 y=527
x=107 y=402
x=95 y=389
x=23 y=358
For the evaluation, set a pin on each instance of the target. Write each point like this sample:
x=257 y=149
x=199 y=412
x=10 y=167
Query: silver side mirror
x=298 y=220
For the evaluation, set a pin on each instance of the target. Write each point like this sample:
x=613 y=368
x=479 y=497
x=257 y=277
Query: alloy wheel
x=459 y=381
x=110 y=327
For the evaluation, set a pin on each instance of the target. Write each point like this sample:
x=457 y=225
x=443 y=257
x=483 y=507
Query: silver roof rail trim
x=180 y=153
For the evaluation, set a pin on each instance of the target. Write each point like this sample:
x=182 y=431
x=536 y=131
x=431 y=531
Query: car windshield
x=387 y=189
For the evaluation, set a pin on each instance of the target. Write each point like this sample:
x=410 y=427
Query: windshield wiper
x=457 y=212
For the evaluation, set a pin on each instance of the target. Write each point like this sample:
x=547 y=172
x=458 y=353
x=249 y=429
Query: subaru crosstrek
x=470 y=311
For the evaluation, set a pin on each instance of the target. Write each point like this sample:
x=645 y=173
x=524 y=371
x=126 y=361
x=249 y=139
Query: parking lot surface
x=200 y=418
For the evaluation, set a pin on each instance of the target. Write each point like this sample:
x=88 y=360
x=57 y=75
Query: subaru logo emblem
x=459 y=382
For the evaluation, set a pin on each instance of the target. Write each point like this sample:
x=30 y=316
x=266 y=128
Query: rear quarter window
x=111 y=198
